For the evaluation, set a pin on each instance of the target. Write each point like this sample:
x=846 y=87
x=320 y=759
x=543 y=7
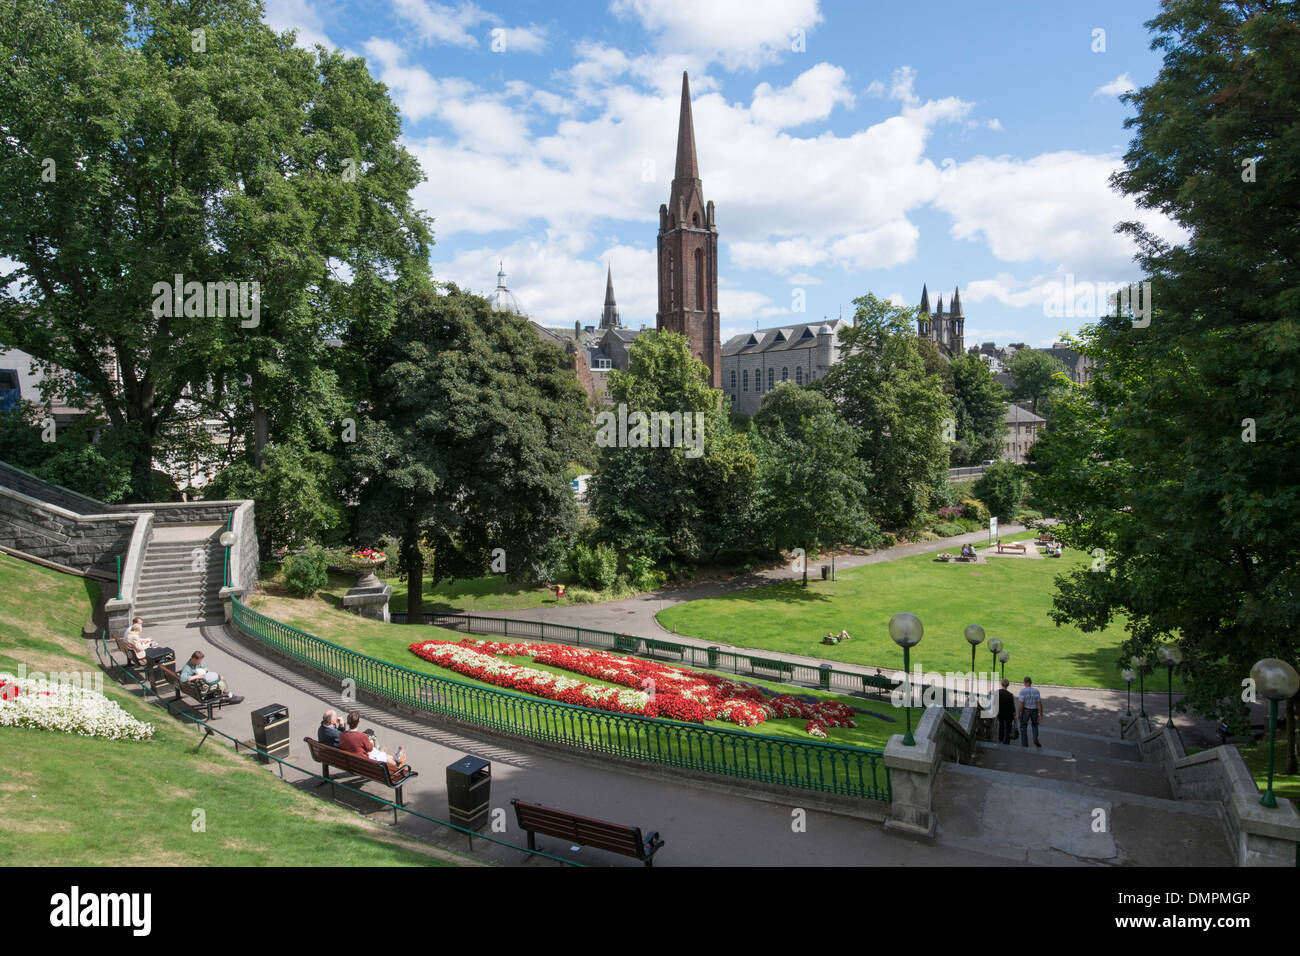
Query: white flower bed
x=47 y=705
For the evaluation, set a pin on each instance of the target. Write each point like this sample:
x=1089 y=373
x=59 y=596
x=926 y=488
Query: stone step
x=1130 y=776
x=1041 y=820
x=159 y=594
x=177 y=617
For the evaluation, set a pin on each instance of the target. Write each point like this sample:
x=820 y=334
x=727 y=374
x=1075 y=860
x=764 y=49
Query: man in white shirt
x=1030 y=711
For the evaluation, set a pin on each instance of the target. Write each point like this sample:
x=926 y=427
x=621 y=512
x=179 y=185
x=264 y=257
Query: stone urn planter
x=369 y=596
x=366 y=562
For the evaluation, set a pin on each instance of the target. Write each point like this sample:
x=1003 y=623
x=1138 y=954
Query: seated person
x=195 y=672
x=331 y=727
x=136 y=640
x=844 y=635
x=967 y=551
x=354 y=741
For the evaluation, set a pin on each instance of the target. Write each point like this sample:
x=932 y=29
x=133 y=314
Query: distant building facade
x=756 y=362
x=1022 y=431
x=947 y=330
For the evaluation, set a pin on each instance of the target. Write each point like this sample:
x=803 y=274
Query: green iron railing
x=808 y=765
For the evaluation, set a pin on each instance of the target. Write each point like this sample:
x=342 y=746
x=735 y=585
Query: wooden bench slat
x=586 y=831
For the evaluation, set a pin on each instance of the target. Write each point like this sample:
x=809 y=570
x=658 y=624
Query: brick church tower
x=688 y=255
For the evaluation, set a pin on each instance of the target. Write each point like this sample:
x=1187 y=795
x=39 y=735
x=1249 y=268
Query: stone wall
x=913 y=770
x=188 y=512
x=86 y=543
x=21 y=481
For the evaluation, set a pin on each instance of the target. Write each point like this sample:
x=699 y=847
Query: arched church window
x=672 y=283
x=695 y=219
x=798 y=375
x=771 y=378
x=785 y=374
x=744 y=380
x=733 y=379
x=699 y=279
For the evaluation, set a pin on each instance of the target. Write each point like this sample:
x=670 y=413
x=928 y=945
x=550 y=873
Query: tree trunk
x=413 y=558
x=805 y=566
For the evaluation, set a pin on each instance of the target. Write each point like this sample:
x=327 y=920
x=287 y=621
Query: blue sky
x=951 y=143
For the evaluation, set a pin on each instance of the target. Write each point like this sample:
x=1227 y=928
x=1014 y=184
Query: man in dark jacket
x=331 y=726
x=1006 y=712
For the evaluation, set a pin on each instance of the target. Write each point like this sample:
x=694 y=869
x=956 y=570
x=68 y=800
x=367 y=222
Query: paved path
x=701 y=826
x=1083 y=709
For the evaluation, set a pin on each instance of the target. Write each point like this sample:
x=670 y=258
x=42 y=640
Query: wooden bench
x=132 y=659
x=881 y=683
x=584 y=831
x=361 y=766
x=1010 y=547
x=626 y=644
x=781 y=668
x=189 y=689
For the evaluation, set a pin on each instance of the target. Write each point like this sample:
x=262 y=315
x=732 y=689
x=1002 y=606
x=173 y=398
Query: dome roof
x=502 y=299
x=825 y=330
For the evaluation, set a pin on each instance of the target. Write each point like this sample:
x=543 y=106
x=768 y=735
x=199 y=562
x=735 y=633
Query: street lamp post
x=975 y=637
x=227 y=539
x=995 y=645
x=1171 y=656
x=1139 y=662
x=905 y=630
x=1276 y=680
x=1128 y=677
x=1004 y=657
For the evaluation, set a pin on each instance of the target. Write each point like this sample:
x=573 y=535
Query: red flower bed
x=659 y=690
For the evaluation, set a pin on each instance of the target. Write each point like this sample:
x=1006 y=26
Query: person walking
x=1031 y=712
x=1006 y=712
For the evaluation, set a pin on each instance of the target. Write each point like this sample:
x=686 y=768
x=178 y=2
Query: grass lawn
x=390 y=642
x=67 y=800
x=1009 y=597
x=1256 y=757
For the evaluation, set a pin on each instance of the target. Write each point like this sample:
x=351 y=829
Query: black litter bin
x=826 y=572
x=271 y=731
x=153 y=657
x=469 y=782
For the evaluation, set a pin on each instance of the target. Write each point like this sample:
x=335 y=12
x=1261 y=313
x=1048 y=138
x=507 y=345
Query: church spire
x=687 y=168
x=609 y=317
x=956 y=303
x=925 y=299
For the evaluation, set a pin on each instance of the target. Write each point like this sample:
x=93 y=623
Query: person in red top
x=353 y=741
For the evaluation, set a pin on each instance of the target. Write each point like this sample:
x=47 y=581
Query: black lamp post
x=1139 y=662
x=1171 y=656
x=1128 y=677
x=975 y=637
x=995 y=645
x=1276 y=680
x=1003 y=656
x=905 y=630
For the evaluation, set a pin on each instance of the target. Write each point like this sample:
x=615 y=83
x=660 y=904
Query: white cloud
x=1055 y=208
x=1121 y=84
x=803 y=278
x=530 y=39
x=301 y=16
x=901 y=86
x=741 y=34
x=438 y=23
x=812 y=96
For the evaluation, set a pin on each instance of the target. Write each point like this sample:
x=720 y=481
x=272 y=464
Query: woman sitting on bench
x=354 y=741
x=967 y=551
x=194 y=672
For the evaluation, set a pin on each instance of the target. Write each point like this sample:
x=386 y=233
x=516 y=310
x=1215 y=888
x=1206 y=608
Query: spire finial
x=687 y=168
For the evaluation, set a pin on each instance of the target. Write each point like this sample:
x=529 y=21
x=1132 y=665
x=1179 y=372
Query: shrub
x=305 y=573
x=641 y=574
x=948 y=529
x=974 y=509
x=595 y=568
x=1002 y=487
x=1028 y=516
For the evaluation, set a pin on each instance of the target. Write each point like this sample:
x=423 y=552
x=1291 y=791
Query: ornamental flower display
x=815 y=729
x=46 y=705
x=657 y=690
x=367 y=557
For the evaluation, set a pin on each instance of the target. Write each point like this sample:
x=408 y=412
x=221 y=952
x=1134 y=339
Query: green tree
x=979 y=406
x=681 y=504
x=881 y=388
x=813 y=484
x=1002 y=488
x=98 y=469
x=133 y=151
x=464 y=441
x=1035 y=376
x=1178 y=461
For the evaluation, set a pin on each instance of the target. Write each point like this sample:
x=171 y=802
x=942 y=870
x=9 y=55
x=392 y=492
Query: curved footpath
x=1079 y=709
x=701 y=826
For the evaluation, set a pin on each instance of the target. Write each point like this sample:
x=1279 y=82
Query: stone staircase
x=181 y=579
x=1081 y=799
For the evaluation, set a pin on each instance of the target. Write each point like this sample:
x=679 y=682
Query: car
x=987 y=462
